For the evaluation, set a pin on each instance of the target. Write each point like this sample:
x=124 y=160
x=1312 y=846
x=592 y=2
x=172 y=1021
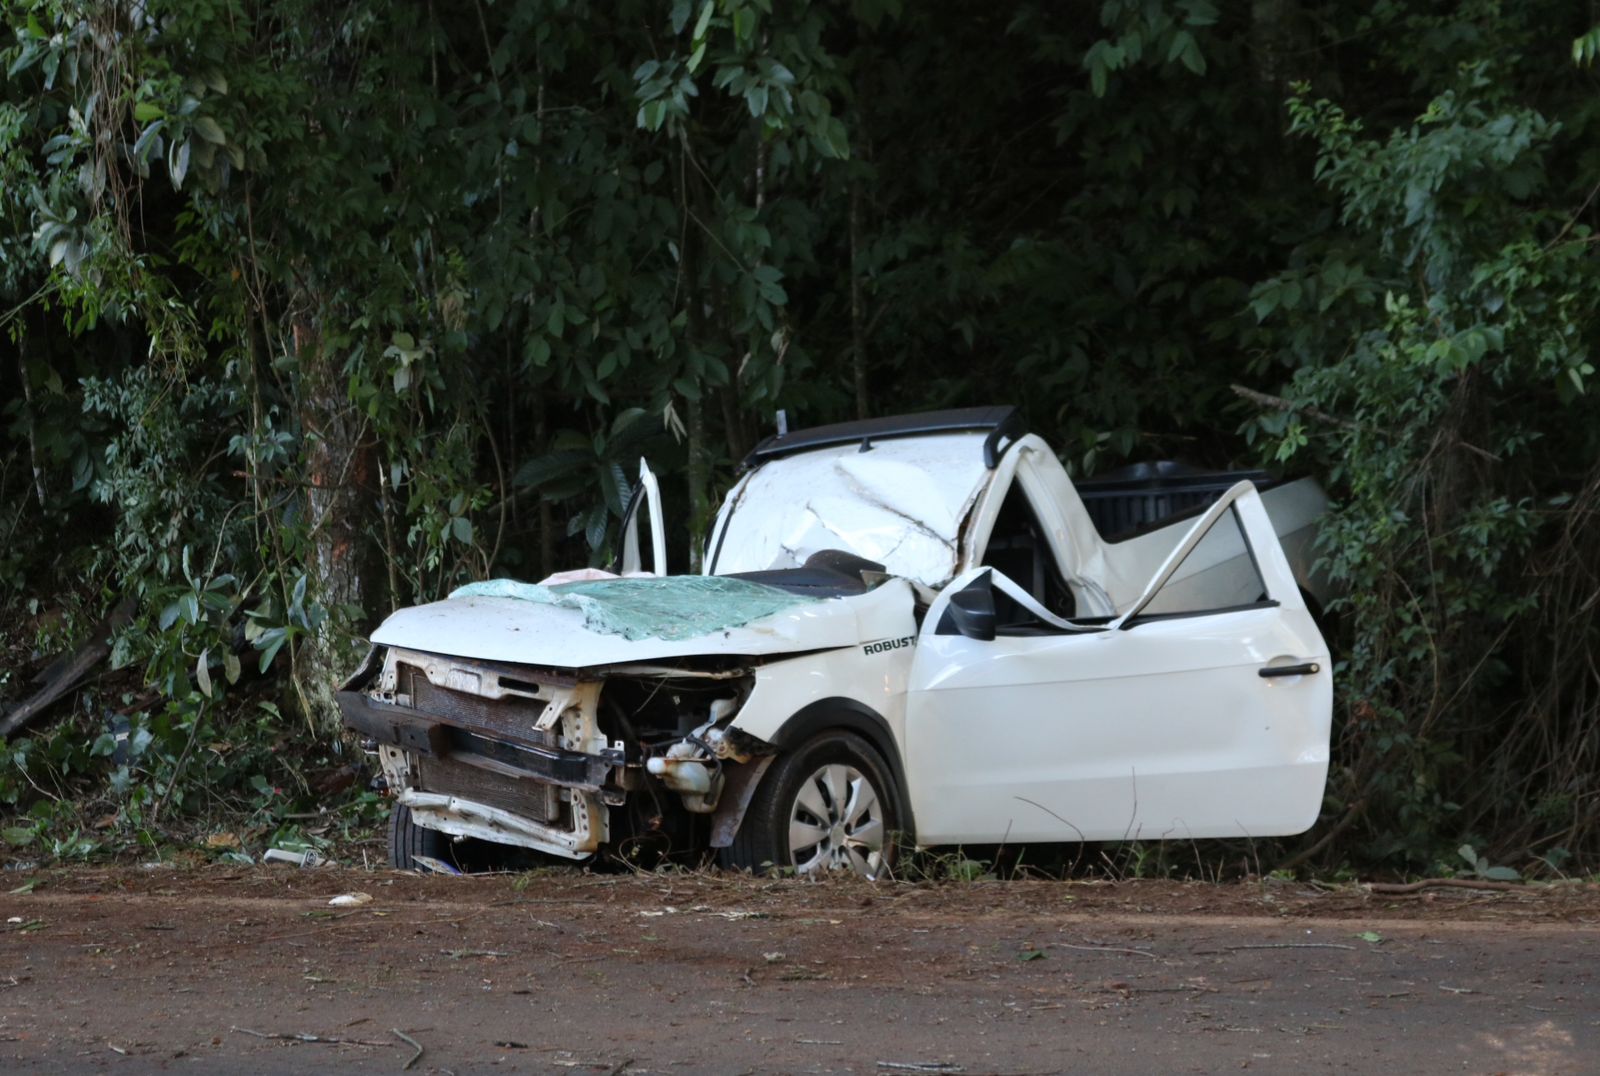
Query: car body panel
x=513 y=630
x=1164 y=729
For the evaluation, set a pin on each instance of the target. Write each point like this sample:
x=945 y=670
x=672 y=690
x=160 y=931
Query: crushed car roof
x=997 y=422
x=898 y=502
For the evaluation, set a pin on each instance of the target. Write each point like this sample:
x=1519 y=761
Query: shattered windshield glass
x=672 y=608
x=900 y=503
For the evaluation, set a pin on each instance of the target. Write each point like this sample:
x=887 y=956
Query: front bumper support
x=425 y=734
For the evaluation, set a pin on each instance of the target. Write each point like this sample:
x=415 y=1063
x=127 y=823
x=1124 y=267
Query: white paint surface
x=528 y=633
x=901 y=504
x=1164 y=730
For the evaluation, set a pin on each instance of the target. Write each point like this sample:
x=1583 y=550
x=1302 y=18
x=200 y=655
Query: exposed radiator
x=519 y=795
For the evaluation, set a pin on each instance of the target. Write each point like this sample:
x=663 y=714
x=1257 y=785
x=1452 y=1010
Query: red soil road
x=170 y=970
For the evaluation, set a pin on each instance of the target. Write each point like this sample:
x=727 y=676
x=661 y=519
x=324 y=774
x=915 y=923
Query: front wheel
x=418 y=848
x=830 y=805
x=407 y=841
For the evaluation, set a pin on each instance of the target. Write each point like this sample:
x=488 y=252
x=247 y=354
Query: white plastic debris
x=345 y=900
x=308 y=858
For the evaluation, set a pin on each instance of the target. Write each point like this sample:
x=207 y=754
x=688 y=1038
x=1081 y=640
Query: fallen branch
x=1444 y=883
x=1279 y=403
x=30 y=429
x=462 y=954
x=413 y=1043
x=68 y=673
x=324 y=1040
x=1475 y=450
x=1290 y=945
x=1354 y=812
x=1102 y=949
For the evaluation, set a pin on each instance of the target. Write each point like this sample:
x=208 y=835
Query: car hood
x=528 y=633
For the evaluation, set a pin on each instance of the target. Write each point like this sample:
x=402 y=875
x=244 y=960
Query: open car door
x=1202 y=710
x=645 y=503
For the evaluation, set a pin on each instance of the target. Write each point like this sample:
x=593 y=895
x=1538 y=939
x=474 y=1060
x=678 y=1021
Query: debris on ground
x=347 y=900
x=308 y=858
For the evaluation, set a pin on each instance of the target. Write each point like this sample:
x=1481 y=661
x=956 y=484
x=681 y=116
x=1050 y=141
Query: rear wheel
x=829 y=805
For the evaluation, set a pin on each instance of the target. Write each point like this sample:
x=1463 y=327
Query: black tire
x=407 y=840
x=796 y=790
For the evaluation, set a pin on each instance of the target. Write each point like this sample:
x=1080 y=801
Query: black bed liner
x=1143 y=497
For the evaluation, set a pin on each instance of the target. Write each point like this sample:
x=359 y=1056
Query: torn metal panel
x=526 y=756
x=646 y=502
x=488 y=679
x=899 y=503
x=738 y=790
x=1032 y=469
x=464 y=818
x=508 y=754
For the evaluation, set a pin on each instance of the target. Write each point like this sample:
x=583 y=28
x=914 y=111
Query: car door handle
x=1305 y=668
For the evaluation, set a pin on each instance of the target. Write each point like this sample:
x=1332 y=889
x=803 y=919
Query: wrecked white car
x=910 y=632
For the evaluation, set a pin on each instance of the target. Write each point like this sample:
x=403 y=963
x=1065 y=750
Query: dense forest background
x=314 y=309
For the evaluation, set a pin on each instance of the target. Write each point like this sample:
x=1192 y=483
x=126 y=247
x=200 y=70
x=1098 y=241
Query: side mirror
x=970 y=612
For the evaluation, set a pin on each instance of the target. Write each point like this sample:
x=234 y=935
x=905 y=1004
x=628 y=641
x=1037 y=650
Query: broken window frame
x=1226 y=505
x=646 y=497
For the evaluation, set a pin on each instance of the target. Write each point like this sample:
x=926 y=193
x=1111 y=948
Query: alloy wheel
x=836 y=823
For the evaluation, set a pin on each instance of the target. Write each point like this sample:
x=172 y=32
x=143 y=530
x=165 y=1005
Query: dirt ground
x=236 y=969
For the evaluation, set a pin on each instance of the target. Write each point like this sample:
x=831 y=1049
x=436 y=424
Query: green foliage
x=580 y=464
x=1586 y=48
x=1478 y=867
x=1462 y=432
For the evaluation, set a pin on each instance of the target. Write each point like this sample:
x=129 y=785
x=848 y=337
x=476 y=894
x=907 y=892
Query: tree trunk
x=341 y=501
x=547 y=519
x=858 y=335
x=699 y=479
x=1283 y=46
